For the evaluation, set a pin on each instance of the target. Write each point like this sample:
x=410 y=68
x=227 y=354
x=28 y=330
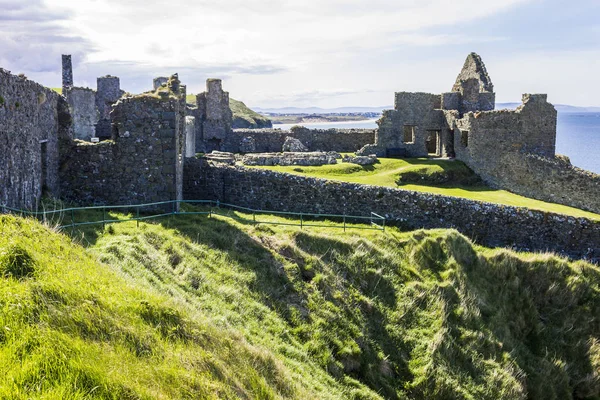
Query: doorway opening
x=433 y=143
x=44 y=166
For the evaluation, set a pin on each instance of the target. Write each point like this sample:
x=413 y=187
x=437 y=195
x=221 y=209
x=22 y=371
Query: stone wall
x=142 y=164
x=488 y=224
x=213 y=117
x=107 y=93
x=67 y=72
x=29 y=150
x=514 y=150
x=82 y=107
x=271 y=140
x=416 y=119
x=421 y=124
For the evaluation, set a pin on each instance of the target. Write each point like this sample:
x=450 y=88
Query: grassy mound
x=439 y=173
x=196 y=307
x=446 y=177
x=243 y=117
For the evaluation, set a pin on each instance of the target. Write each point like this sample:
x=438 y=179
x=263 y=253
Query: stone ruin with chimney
x=105 y=146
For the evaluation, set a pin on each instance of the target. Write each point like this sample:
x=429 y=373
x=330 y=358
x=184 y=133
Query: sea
x=577 y=136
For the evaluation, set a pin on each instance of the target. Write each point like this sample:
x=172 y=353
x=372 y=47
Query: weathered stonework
x=473 y=89
x=107 y=93
x=361 y=160
x=294 y=145
x=67 y=72
x=82 y=106
x=512 y=150
x=29 y=141
x=290 y=158
x=213 y=117
x=144 y=161
x=272 y=140
x=486 y=223
x=248 y=145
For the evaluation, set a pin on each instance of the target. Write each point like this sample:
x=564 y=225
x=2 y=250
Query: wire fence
x=95 y=215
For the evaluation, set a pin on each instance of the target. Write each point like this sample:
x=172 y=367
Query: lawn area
x=446 y=177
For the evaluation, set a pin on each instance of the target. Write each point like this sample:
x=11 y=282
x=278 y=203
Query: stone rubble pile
x=291 y=158
x=293 y=145
x=221 y=157
x=361 y=160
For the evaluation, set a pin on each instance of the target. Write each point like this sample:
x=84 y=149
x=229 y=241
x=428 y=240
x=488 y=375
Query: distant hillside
x=319 y=110
x=243 y=117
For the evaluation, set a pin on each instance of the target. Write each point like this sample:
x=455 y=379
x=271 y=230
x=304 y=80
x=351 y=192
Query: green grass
x=193 y=307
x=243 y=117
x=450 y=178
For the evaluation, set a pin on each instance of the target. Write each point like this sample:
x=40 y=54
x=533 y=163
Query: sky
x=326 y=53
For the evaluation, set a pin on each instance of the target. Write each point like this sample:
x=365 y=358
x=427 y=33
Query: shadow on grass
x=454 y=175
x=285 y=297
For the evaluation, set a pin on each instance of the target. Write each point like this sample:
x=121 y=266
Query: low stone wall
x=306 y=159
x=548 y=179
x=485 y=223
x=271 y=140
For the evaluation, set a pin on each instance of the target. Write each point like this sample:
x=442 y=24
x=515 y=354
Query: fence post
x=103 y=217
x=72 y=218
x=137 y=217
x=301 y=221
x=254 y=216
x=344 y=222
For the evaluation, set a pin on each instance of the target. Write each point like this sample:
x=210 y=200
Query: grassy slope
x=389 y=171
x=243 y=117
x=217 y=308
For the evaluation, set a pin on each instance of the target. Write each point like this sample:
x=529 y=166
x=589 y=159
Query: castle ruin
x=48 y=141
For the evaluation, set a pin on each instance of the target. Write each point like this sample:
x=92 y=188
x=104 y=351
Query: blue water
x=577 y=136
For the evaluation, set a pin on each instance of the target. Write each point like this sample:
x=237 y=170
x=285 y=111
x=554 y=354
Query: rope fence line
x=144 y=212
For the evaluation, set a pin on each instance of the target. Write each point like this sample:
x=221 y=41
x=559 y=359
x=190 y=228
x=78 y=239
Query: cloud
x=32 y=39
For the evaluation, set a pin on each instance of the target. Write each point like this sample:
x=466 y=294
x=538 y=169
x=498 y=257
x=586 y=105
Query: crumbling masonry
x=512 y=150
x=46 y=147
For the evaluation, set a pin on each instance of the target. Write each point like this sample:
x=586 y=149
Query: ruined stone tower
x=108 y=92
x=67 y=72
x=213 y=117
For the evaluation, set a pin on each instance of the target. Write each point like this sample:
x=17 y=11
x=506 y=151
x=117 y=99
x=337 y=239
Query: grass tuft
x=16 y=262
